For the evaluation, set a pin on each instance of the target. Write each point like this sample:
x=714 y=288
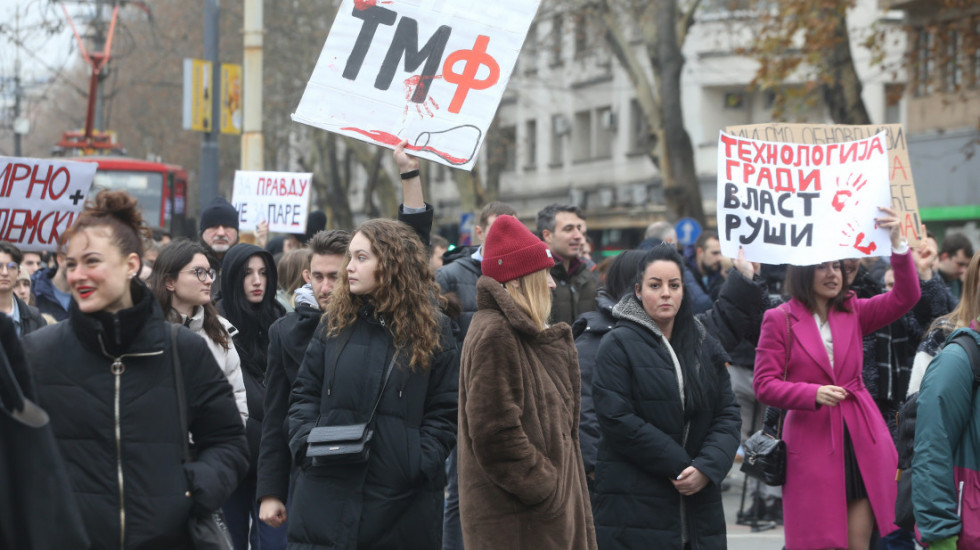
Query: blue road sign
x=688 y=231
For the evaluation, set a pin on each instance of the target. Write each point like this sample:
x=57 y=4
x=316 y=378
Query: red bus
x=160 y=188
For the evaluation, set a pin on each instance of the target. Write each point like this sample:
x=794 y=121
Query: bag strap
x=391 y=366
x=969 y=344
x=782 y=414
x=179 y=383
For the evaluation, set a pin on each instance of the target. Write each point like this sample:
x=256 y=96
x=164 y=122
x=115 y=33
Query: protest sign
x=40 y=199
x=899 y=167
x=375 y=83
x=280 y=198
x=802 y=204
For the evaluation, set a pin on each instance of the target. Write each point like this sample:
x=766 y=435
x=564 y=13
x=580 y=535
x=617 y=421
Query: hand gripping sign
x=802 y=204
x=40 y=199
x=429 y=71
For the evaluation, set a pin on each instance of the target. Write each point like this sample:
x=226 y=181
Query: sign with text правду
x=280 y=198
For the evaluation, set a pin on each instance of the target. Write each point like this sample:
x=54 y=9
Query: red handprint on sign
x=848 y=190
x=849 y=235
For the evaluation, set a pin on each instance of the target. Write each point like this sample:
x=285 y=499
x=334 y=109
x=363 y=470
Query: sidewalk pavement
x=741 y=537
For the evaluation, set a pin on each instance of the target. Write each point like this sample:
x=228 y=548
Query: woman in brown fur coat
x=521 y=479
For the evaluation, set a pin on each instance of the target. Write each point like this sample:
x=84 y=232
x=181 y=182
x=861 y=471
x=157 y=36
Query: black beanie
x=219 y=212
x=316 y=221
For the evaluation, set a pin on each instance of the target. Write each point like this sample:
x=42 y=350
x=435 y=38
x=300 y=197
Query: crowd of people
x=512 y=394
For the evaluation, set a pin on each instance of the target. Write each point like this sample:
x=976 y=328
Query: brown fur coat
x=521 y=480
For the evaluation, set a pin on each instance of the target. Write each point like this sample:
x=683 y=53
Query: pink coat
x=814 y=501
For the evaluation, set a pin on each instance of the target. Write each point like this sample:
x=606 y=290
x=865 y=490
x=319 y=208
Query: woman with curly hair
x=108 y=381
x=384 y=311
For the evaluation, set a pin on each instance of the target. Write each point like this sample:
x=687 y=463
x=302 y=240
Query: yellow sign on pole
x=231 y=98
x=197 y=95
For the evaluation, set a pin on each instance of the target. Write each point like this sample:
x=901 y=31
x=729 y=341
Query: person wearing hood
x=668 y=419
x=107 y=378
x=383 y=341
x=249 y=281
x=521 y=480
x=181 y=282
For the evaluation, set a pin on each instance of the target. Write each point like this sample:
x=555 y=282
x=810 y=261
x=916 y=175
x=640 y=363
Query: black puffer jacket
x=288 y=339
x=134 y=488
x=648 y=439
x=458 y=275
x=394 y=500
x=735 y=317
x=30 y=317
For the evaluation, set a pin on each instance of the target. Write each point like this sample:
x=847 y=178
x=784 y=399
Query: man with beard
x=219 y=232
x=703 y=278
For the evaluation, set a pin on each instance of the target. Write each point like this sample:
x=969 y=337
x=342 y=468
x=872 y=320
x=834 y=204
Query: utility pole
x=17 y=92
x=99 y=39
x=209 y=147
x=253 y=143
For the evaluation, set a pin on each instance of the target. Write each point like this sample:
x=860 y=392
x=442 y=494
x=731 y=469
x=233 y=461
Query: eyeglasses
x=202 y=274
x=12 y=266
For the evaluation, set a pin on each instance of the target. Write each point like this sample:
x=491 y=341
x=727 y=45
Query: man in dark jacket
x=26 y=318
x=704 y=269
x=458 y=275
x=51 y=292
x=288 y=338
x=562 y=228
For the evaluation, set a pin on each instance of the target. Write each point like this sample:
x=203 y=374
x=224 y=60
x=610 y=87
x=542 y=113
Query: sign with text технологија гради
x=802 y=204
x=428 y=71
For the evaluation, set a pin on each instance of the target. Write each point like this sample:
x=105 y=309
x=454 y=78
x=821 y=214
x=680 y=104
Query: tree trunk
x=681 y=190
x=842 y=90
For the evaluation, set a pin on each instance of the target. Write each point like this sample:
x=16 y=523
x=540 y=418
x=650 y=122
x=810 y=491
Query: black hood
x=233 y=268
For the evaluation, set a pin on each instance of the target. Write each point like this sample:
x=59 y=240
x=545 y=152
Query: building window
x=556 y=38
x=581 y=35
x=559 y=127
x=605 y=132
x=582 y=136
x=531 y=50
x=954 y=68
x=530 y=144
x=508 y=148
x=639 y=129
x=893 y=103
x=924 y=61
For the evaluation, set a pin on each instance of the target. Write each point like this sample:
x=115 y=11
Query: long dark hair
x=172 y=260
x=251 y=320
x=621 y=276
x=685 y=338
x=799 y=285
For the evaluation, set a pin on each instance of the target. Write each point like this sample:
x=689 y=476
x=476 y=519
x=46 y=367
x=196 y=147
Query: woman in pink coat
x=840 y=467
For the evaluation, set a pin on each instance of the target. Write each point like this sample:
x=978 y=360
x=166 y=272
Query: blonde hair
x=969 y=307
x=532 y=295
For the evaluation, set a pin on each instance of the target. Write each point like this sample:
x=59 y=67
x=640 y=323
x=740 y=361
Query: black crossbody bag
x=349 y=443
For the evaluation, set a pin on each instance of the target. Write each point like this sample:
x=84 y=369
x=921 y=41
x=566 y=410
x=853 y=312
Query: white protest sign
x=280 y=198
x=40 y=199
x=802 y=204
x=429 y=71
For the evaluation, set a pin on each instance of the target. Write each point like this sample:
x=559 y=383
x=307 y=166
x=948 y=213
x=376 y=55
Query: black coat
x=30 y=317
x=459 y=276
x=643 y=445
x=735 y=317
x=395 y=498
x=77 y=387
x=288 y=339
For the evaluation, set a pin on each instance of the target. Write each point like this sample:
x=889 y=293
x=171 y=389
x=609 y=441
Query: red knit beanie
x=512 y=251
